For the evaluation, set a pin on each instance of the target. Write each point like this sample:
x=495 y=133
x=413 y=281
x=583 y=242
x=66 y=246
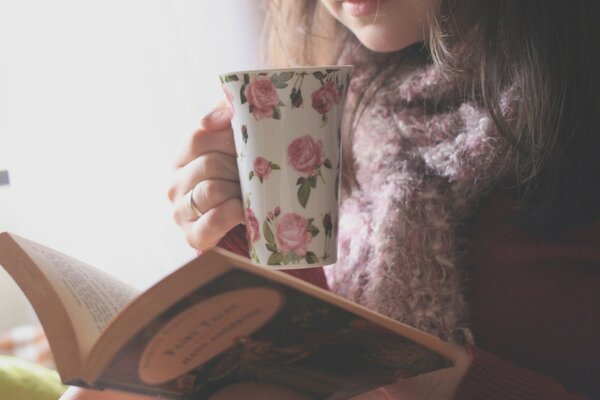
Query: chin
x=382 y=43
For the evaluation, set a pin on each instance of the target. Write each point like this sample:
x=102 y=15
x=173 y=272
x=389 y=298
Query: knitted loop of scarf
x=424 y=159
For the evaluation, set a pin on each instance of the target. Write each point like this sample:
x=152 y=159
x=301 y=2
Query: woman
x=471 y=184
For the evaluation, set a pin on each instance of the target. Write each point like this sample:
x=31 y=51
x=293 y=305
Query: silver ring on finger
x=193 y=206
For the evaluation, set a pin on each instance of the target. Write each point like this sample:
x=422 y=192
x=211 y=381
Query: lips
x=360 y=8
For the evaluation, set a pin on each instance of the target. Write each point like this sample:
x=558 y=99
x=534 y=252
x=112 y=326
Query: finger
x=207 y=194
x=216 y=121
x=256 y=391
x=203 y=141
x=210 y=228
x=207 y=166
x=377 y=394
x=74 y=393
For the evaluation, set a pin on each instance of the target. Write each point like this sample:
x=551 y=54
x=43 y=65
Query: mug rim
x=291 y=69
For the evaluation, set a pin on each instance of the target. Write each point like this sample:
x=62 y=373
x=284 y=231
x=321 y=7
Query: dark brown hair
x=546 y=50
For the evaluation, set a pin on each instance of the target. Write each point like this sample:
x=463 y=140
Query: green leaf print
x=311 y=257
x=272 y=248
x=269 y=237
x=275 y=259
x=285 y=76
x=245 y=133
x=319 y=75
x=242 y=94
x=231 y=78
x=304 y=193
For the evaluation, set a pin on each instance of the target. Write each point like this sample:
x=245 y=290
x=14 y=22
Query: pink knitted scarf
x=423 y=160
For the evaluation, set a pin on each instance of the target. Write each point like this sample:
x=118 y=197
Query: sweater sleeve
x=235 y=241
x=533 y=305
x=493 y=378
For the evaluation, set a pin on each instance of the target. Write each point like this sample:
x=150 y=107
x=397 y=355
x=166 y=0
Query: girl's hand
x=242 y=390
x=206 y=189
x=74 y=393
x=437 y=385
x=256 y=391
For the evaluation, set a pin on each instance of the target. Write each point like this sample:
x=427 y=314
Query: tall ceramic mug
x=286 y=125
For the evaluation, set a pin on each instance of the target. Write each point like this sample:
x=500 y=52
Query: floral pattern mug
x=286 y=125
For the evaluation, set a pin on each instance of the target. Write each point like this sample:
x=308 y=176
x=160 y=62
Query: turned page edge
x=42 y=295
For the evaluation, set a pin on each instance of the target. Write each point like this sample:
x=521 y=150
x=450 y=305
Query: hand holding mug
x=206 y=189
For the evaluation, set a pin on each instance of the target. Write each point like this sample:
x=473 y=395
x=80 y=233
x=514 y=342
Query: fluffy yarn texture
x=423 y=160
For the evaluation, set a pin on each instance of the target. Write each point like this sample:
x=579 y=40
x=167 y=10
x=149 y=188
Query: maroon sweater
x=536 y=303
x=535 y=306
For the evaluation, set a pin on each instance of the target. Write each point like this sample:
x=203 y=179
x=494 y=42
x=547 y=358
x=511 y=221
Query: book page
x=91 y=297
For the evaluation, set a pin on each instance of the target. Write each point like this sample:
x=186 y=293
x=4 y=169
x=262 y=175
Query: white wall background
x=95 y=98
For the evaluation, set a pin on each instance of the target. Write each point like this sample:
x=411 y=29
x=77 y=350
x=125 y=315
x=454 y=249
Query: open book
x=216 y=320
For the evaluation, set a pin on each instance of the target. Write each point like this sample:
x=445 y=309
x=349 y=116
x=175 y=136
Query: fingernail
x=214 y=115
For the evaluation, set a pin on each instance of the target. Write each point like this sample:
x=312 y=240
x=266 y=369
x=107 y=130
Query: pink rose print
x=329 y=94
x=325 y=97
x=252 y=226
x=262 y=168
x=274 y=214
x=305 y=154
x=296 y=98
x=262 y=97
x=292 y=234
